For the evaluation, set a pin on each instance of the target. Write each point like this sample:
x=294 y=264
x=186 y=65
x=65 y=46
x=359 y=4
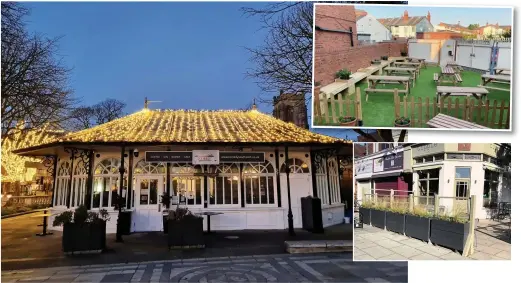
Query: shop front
x=249 y=167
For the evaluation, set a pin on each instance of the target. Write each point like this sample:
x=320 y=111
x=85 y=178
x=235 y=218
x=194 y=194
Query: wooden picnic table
x=447 y=75
x=501 y=71
x=418 y=60
x=454 y=65
x=477 y=92
x=449 y=122
x=373 y=81
x=501 y=79
x=411 y=71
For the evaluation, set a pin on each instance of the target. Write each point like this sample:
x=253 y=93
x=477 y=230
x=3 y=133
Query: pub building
x=247 y=165
x=452 y=171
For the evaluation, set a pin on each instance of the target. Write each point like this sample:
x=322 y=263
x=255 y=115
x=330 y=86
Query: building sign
x=168 y=156
x=241 y=157
x=393 y=161
x=464 y=146
x=363 y=167
x=427 y=149
x=378 y=164
x=205 y=157
x=188 y=156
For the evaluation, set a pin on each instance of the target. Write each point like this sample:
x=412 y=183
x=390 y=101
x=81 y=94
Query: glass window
x=224 y=188
x=472 y=156
x=439 y=157
x=463 y=172
x=490 y=193
x=454 y=156
x=296 y=166
x=259 y=183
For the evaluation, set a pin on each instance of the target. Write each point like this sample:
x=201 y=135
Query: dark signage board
x=169 y=156
x=186 y=156
x=393 y=161
x=241 y=157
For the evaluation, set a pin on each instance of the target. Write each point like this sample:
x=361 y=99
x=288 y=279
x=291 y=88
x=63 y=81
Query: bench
x=373 y=81
x=501 y=79
x=458 y=78
x=477 y=92
x=449 y=122
x=436 y=77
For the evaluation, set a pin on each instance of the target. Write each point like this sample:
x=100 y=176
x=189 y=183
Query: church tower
x=291 y=108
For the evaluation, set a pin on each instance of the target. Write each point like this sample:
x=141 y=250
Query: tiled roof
x=412 y=21
x=360 y=14
x=457 y=27
x=190 y=126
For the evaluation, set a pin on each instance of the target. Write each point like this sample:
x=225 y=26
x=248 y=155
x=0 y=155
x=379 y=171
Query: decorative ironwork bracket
x=48 y=162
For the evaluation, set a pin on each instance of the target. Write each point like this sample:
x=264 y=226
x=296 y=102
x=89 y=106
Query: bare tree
x=80 y=118
x=108 y=110
x=34 y=82
x=284 y=61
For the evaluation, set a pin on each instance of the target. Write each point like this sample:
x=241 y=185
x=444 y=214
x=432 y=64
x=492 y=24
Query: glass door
x=148 y=216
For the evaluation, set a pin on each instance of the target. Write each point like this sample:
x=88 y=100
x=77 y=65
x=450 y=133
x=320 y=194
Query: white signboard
x=378 y=165
x=205 y=157
x=363 y=167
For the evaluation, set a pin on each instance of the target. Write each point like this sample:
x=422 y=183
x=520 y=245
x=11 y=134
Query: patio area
x=371 y=243
x=379 y=109
x=22 y=249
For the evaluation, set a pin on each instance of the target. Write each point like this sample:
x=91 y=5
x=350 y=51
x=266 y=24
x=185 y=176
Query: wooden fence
x=488 y=113
x=329 y=111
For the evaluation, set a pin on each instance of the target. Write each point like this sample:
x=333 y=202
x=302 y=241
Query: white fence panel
x=504 y=59
x=482 y=56
x=464 y=55
x=425 y=49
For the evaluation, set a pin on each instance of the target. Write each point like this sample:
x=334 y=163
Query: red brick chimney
x=406 y=15
x=429 y=16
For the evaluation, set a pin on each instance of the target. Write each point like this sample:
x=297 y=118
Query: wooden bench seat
x=458 y=78
x=477 y=92
x=384 y=90
x=449 y=122
x=436 y=77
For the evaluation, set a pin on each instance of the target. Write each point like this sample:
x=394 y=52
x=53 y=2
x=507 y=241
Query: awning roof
x=388 y=174
x=157 y=127
x=427 y=167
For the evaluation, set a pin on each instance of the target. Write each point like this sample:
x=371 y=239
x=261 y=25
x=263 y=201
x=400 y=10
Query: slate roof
x=400 y=21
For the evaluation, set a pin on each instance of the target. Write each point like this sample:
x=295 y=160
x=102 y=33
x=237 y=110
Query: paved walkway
x=374 y=243
x=274 y=268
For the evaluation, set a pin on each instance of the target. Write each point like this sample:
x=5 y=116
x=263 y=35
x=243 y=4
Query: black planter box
x=312 y=214
x=125 y=222
x=449 y=234
x=378 y=218
x=86 y=237
x=186 y=233
x=417 y=227
x=395 y=222
x=365 y=215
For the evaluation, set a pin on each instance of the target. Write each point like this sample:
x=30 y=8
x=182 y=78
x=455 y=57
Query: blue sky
x=452 y=15
x=187 y=55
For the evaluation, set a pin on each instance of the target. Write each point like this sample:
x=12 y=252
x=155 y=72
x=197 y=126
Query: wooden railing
x=28 y=200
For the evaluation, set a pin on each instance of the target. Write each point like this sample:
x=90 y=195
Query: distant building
x=406 y=26
x=457 y=28
x=439 y=35
x=492 y=31
x=367 y=24
x=291 y=108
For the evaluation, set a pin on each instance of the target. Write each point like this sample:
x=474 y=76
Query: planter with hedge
x=365 y=214
x=450 y=232
x=378 y=216
x=83 y=231
x=185 y=230
x=348 y=121
x=395 y=219
x=402 y=122
x=418 y=224
x=343 y=74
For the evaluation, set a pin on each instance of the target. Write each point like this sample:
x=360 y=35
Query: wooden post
x=436 y=204
x=396 y=105
x=391 y=199
x=469 y=243
x=411 y=203
x=359 y=105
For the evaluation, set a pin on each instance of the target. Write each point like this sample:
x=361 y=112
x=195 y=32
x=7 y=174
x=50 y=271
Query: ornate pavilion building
x=249 y=166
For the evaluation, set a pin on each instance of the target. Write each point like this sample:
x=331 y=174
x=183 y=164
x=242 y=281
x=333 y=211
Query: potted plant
x=348 y=121
x=185 y=230
x=395 y=218
x=365 y=213
x=165 y=201
x=418 y=224
x=384 y=58
x=403 y=53
x=83 y=231
x=402 y=122
x=375 y=62
x=378 y=215
x=343 y=74
x=450 y=231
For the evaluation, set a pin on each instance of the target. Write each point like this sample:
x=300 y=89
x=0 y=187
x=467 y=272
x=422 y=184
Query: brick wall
x=333 y=50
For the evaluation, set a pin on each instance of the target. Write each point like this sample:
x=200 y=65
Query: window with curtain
x=259 y=183
x=106 y=183
x=62 y=183
x=224 y=188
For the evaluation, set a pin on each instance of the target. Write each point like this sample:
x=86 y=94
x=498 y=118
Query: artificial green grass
x=379 y=110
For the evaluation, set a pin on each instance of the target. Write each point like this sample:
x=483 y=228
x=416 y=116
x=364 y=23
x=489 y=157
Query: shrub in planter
x=184 y=229
x=395 y=219
x=348 y=121
x=450 y=231
x=343 y=74
x=403 y=53
x=418 y=224
x=83 y=231
x=378 y=215
x=385 y=58
x=365 y=212
x=165 y=201
x=402 y=122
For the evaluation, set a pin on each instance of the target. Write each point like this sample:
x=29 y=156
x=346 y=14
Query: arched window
x=295 y=166
x=79 y=183
x=150 y=177
x=186 y=184
x=62 y=183
x=106 y=183
x=334 y=181
x=321 y=180
x=224 y=188
x=259 y=182
x=143 y=167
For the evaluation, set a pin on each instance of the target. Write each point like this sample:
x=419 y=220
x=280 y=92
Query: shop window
x=106 y=183
x=321 y=180
x=187 y=184
x=472 y=157
x=79 y=184
x=224 y=189
x=428 y=185
x=334 y=181
x=259 y=183
x=463 y=172
x=295 y=166
x=439 y=157
x=418 y=160
x=62 y=183
x=490 y=193
x=455 y=156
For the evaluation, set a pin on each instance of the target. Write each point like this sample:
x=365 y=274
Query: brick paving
x=332 y=267
x=371 y=243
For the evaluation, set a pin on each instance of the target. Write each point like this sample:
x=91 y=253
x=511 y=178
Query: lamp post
x=119 y=238
x=291 y=230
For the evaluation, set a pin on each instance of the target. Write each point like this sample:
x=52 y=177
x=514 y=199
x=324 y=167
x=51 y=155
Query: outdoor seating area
x=494 y=82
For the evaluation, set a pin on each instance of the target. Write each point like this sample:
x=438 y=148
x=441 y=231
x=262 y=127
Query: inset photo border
x=422 y=67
